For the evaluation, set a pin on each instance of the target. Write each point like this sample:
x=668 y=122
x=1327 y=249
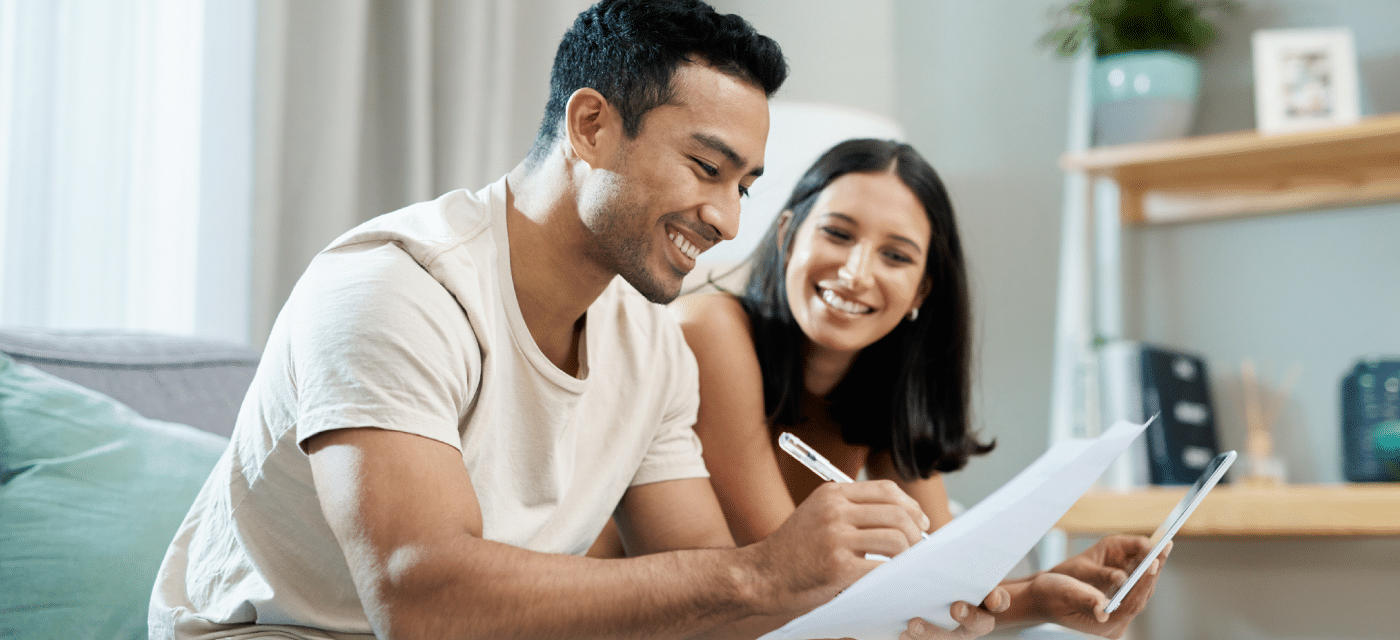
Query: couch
x=105 y=438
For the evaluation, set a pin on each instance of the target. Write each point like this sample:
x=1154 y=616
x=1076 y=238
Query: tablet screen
x=1212 y=474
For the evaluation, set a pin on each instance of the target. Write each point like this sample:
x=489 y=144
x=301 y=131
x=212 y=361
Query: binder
x=1140 y=380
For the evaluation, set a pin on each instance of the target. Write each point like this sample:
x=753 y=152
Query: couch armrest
x=192 y=381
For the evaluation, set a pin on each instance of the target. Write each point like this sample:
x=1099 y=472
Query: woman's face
x=857 y=262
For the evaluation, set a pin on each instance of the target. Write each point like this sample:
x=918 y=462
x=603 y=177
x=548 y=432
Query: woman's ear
x=783 y=219
x=925 y=286
x=591 y=126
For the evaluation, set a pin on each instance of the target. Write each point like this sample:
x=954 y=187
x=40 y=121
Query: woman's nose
x=856 y=270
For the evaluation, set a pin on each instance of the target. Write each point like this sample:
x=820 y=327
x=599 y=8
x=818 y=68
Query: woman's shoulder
x=709 y=310
x=710 y=318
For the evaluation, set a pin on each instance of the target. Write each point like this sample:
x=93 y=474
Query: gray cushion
x=192 y=381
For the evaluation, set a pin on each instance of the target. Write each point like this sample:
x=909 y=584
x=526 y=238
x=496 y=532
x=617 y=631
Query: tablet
x=1178 y=516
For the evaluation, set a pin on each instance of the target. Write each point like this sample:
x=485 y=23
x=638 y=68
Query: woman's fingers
x=973 y=622
x=997 y=601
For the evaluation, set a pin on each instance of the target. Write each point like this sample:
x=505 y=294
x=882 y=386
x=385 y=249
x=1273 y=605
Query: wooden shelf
x=1289 y=510
x=1245 y=173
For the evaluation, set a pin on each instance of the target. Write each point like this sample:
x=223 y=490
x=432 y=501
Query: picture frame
x=1304 y=79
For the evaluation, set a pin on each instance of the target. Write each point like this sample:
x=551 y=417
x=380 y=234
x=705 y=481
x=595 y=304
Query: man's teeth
x=684 y=245
x=830 y=297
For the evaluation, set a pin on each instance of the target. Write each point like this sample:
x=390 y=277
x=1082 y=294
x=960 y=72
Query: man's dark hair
x=908 y=393
x=628 y=51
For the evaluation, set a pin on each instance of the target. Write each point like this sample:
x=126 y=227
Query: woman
x=853 y=333
x=857 y=322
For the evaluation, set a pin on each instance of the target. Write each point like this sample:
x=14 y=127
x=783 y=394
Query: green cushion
x=91 y=494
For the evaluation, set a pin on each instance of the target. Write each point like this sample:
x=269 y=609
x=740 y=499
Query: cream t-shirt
x=409 y=322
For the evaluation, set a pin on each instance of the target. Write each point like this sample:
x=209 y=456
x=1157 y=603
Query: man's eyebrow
x=893 y=236
x=723 y=148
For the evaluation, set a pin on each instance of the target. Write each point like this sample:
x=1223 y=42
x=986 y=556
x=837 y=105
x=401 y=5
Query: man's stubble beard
x=625 y=248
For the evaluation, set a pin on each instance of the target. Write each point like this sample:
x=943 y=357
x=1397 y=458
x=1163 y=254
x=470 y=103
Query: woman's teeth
x=684 y=245
x=837 y=302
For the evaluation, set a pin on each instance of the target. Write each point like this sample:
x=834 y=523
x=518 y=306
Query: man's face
x=673 y=191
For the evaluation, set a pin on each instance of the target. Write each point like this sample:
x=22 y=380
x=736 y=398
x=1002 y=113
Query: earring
x=914 y=314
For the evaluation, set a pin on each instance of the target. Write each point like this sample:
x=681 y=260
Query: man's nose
x=723 y=215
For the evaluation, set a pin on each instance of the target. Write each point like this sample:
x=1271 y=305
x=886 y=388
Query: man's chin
x=654 y=289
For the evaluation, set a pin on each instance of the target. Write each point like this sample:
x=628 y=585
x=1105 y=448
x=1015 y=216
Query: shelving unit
x=1289 y=510
x=1251 y=562
x=1197 y=179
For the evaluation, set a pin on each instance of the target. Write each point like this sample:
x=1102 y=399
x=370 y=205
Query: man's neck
x=555 y=282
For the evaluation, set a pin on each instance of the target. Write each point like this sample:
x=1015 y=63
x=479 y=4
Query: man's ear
x=591 y=127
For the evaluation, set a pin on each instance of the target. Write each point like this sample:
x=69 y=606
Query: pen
x=809 y=458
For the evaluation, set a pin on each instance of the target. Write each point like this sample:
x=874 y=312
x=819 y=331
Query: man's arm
x=684 y=514
x=404 y=511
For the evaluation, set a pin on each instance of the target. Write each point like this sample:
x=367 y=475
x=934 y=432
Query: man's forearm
x=744 y=628
x=483 y=589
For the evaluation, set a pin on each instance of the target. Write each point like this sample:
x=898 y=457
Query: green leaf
x=1133 y=25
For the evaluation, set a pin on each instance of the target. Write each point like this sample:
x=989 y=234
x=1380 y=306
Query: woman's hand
x=1074 y=593
x=1107 y=564
x=973 y=622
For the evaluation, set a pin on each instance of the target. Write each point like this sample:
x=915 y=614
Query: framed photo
x=1304 y=79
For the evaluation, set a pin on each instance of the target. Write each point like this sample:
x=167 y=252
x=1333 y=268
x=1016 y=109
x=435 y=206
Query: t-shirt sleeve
x=375 y=341
x=675 y=452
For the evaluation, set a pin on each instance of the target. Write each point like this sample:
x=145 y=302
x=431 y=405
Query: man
x=458 y=395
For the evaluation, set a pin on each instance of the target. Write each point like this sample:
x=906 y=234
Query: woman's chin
x=839 y=341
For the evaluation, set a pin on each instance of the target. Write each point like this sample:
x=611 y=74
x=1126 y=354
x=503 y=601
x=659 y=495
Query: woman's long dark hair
x=908 y=393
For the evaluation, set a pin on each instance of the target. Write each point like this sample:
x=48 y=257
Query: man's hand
x=973 y=622
x=1074 y=593
x=821 y=549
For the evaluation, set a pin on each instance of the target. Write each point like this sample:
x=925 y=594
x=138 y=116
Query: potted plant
x=1146 y=78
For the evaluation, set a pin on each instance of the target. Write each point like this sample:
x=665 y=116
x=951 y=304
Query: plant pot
x=1141 y=96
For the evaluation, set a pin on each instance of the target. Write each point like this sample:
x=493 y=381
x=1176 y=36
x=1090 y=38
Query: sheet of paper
x=969 y=556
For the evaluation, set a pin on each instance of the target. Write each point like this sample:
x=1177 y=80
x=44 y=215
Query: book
x=1139 y=380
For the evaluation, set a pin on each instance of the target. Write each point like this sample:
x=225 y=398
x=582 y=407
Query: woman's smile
x=842 y=304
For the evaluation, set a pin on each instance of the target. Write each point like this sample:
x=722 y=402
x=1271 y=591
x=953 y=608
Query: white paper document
x=969 y=556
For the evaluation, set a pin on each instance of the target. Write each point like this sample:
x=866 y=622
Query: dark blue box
x=1371 y=421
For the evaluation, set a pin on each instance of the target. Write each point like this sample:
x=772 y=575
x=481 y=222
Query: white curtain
x=173 y=165
x=366 y=106
x=125 y=165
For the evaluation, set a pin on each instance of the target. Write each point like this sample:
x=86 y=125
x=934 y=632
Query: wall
x=839 y=51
